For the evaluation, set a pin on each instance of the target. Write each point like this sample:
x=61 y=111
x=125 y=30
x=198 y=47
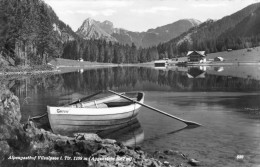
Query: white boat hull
x=89 y=119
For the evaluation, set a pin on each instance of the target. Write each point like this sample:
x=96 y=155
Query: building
x=218 y=59
x=81 y=60
x=229 y=50
x=160 y=63
x=196 y=56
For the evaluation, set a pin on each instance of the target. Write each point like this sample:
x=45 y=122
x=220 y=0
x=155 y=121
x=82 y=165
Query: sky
x=141 y=15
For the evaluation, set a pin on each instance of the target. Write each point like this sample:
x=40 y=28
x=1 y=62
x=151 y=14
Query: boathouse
x=160 y=63
x=196 y=56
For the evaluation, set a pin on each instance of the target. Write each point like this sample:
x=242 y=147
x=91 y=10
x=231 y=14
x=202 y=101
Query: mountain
x=91 y=29
x=236 y=31
x=168 y=32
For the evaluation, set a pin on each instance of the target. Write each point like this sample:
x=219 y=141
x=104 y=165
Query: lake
x=225 y=100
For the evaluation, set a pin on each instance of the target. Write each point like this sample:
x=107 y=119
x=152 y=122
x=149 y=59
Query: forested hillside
x=237 y=31
x=31 y=32
x=108 y=52
x=248 y=27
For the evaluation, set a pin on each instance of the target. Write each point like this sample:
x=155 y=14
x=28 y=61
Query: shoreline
x=28 y=72
x=61 y=68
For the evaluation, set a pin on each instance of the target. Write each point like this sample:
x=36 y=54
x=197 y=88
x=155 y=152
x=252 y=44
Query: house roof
x=202 y=53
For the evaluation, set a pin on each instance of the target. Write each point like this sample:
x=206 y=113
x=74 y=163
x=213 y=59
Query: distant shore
x=59 y=65
x=221 y=63
x=35 y=70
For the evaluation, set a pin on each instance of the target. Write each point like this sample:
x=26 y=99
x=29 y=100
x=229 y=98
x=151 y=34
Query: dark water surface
x=225 y=100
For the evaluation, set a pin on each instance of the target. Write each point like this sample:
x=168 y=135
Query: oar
x=85 y=98
x=189 y=123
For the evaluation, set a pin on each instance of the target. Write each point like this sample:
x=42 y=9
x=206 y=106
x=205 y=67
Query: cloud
x=209 y=5
x=154 y=10
x=92 y=3
x=90 y=12
x=106 y=12
x=89 y=7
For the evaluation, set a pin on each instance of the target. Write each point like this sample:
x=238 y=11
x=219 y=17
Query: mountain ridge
x=151 y=37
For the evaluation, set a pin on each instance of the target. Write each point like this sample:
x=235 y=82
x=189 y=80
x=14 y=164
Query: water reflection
x=195 y=72
x=81 y=70
x=219 y=69
x=224 y=99
x=136 y=78
x=38 y=92
x=157 y=137
x=129 y=134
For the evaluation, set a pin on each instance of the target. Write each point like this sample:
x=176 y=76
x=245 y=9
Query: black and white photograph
x=129 y=83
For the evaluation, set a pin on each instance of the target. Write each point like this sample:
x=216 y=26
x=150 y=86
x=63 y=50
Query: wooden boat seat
x=100 y=105
x=81 y=105
x=121 y=102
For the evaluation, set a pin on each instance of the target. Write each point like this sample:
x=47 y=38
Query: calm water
x=225 y=100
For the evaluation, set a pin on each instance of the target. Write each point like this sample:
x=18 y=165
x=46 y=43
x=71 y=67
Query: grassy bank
x=250 y=55
x=61 y=66
x=59 y=63
x=74 y=63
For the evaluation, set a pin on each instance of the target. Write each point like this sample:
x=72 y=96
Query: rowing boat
x=91 y=116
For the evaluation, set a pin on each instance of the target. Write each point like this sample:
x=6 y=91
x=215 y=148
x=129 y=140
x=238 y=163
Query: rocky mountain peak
x=92 y=29
x=88 y=22
x=107 y=26
x=108 y=23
